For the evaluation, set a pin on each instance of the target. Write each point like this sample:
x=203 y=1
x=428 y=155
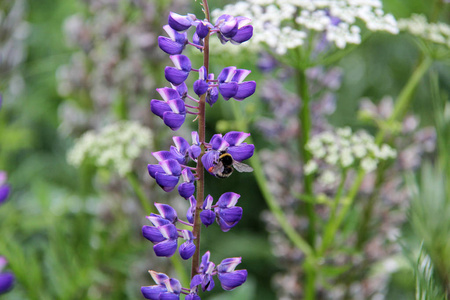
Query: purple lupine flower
x=228 y=215
x=195 y=150
x=206 y=269
x=166 y=288
x=212 y=95
x=175 y=43
x=181 y=89
x=187 y=188
x=232 y=85
x=6 y=278
x=228 y=277
x=164 y=237
x=207 y=216
x=171 y=110
x=187 y=249
x=180 y=151
x=232 y=143
x=200 y=85
x=4 y=187
x=180 y=23
x=202 y=29
x=191 y=210
x=178 y=74
x=167 y=173
x=237 y=30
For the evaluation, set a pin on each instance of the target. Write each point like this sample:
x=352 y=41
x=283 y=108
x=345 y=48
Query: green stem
x=271 y=202
x=200 y=169
x=305 y=120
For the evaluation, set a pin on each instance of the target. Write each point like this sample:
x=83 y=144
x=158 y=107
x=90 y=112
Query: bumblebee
x=225 y=165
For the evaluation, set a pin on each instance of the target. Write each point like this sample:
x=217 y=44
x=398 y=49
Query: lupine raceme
x=186 y=162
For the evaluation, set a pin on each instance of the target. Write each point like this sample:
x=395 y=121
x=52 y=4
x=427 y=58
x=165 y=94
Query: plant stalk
x=200 y=169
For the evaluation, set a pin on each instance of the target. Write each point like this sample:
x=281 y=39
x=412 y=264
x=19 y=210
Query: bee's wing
x=218 y=168
x=241 y=167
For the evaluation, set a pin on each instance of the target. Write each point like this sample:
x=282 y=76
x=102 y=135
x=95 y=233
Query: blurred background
x=71 y=228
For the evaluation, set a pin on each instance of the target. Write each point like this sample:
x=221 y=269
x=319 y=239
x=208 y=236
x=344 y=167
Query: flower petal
x=186 y=250
x=166 y=248
x=166 y=182
x=4 y=192
x=178 y=22
x=200 y=87
x=226 y=74
x=235 y=138
x=186 y=189
x=207 y=217
x=210 y=159
x=228 y=90
x=152 y=234
x=242 y=152
x=173 y=120
x=202 y=30
x=175 y=76
x=169 y=46
x=6 y=282
x=167 y=212
x=163 y=155
x=232 y=280
x=242 y=35
x=228 y=200
x=152 y=292
x=153 y=169
x=168 y=93
x=212 y=96
x=245 y=89
x=159 y=107
x=171 y=167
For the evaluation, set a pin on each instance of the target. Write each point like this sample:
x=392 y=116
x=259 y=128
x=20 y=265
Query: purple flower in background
x=229 y=278
x=228 y=215
x=171 y=109
x=6 y=278
x=166 y=288
x=4 y=187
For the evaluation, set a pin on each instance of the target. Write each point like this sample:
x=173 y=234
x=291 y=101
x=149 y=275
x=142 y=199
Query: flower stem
x=200 y=169
x=305 y=120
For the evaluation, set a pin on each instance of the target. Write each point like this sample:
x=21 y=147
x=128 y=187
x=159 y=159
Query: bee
x=225 y=165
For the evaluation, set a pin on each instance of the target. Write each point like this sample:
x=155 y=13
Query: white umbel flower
x=273 y=21
x=344 y=149
x=418 y=25
x=115 y=146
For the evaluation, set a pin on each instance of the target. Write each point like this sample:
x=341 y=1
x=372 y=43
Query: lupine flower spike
x=219 y=157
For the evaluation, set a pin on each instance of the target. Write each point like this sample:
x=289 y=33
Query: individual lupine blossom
x=225 y=211
x=115 y=146
x=345 y=149
x=418 y=25
x=6 y=278
x=225 y=271
x=4 y=187
x=336 y=20
x=230 y=82
x=164 y=233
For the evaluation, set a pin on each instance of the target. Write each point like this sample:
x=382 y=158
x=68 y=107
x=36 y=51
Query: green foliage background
x=60 y=248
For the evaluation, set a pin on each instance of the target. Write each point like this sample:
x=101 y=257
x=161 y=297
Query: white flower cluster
x=272 y=20
x=344 y=149
x=115 y=146
x=417 y=25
